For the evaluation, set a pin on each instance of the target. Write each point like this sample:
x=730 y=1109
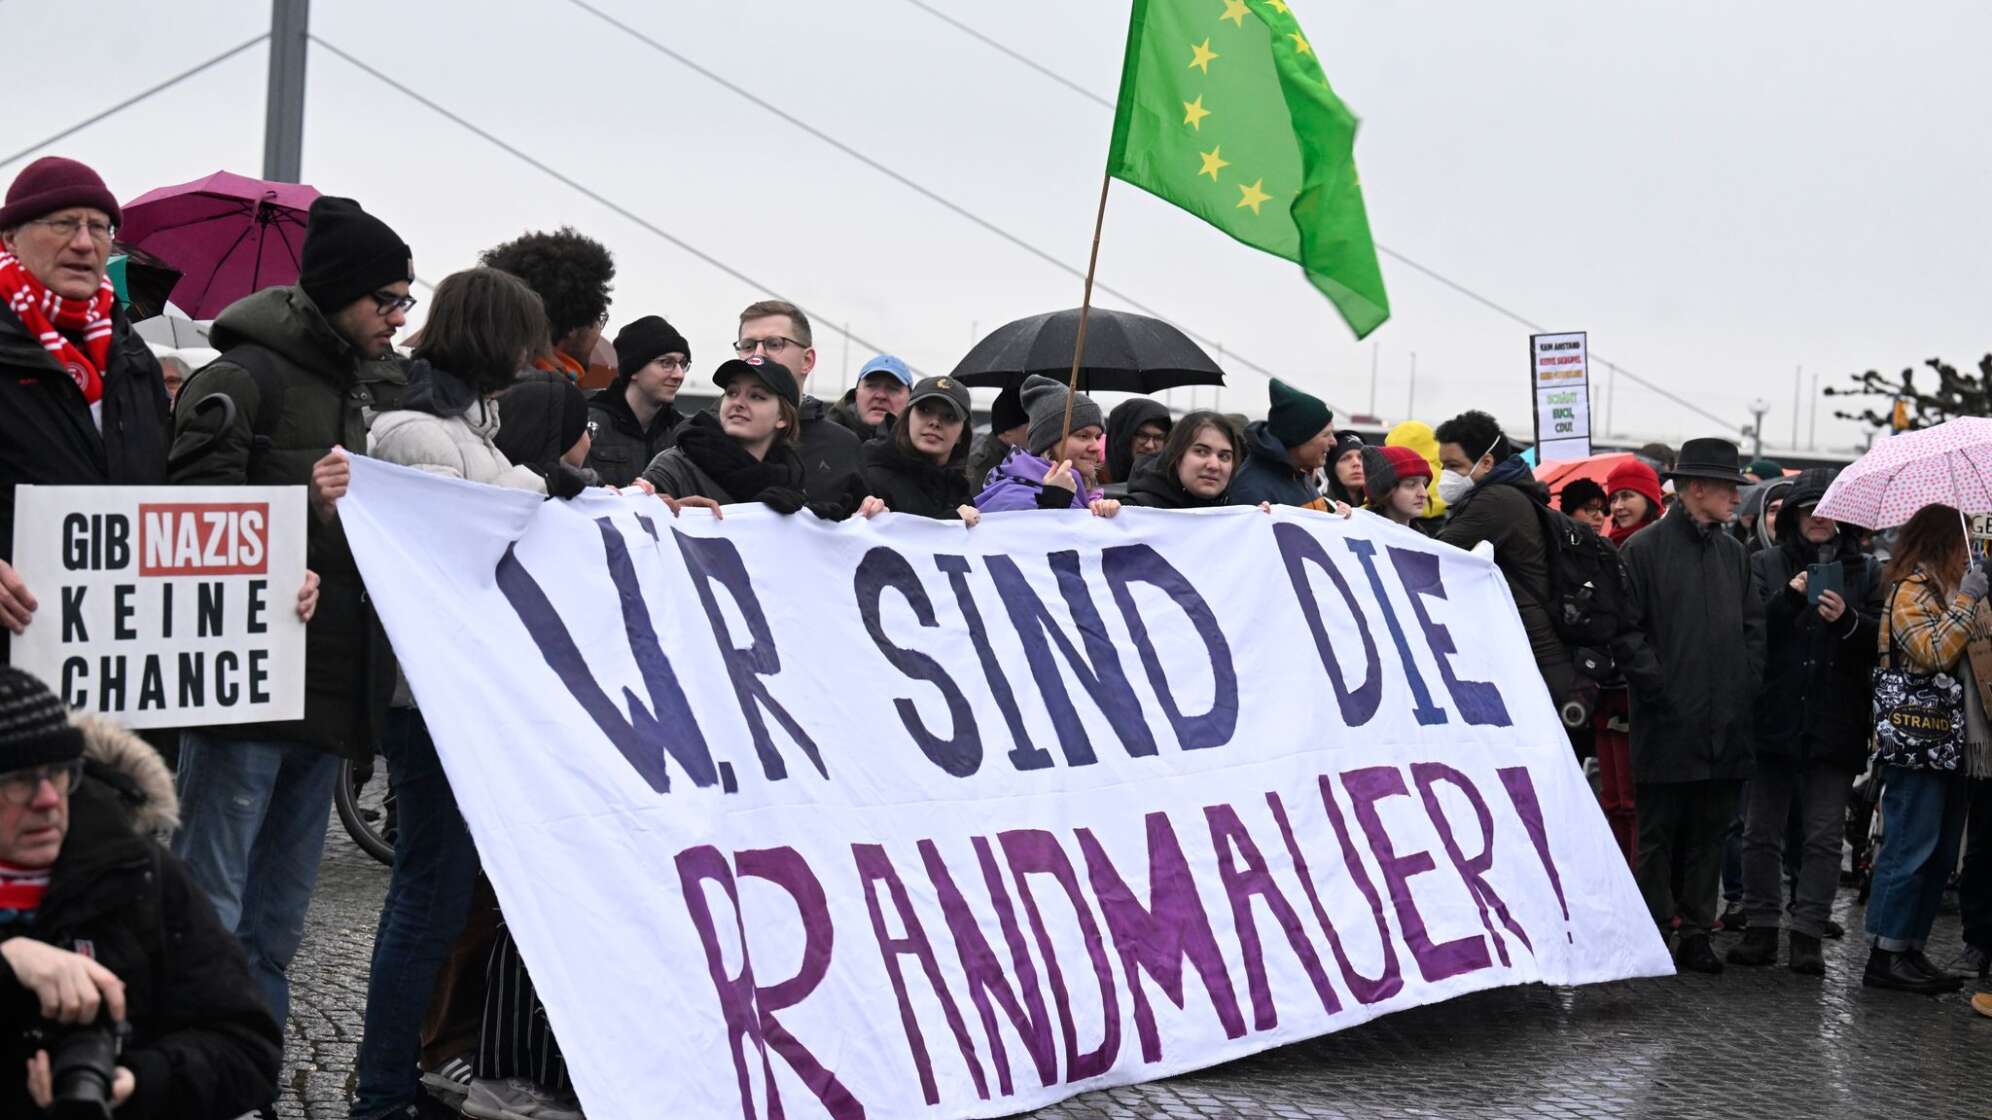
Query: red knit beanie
x=1407 y=463
x=1637 y=477
x=52 y=183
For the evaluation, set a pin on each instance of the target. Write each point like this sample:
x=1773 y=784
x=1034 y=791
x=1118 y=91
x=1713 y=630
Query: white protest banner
x=903 y=819
x=1561 y=374
x=165 y=606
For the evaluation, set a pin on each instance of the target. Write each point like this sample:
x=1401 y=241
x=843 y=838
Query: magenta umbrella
x=227 y=234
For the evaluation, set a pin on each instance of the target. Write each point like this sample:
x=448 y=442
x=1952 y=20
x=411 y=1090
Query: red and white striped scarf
x=57 y=323
x=21 y=889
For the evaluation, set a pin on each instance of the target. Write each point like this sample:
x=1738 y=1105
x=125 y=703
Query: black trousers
x=1681 y=831
x=1974 y=886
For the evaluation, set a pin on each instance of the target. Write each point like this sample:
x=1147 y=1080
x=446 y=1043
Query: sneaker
x=1733 y=920
x=515 y=1098
x=1694 y=955
x=1759 y=947
x=1834 y=931
x=1974 y=961
x=450 y=1081
x=1982 y=1003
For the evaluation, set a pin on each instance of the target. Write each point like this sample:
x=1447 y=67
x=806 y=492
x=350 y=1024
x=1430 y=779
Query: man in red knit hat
x=82 y=401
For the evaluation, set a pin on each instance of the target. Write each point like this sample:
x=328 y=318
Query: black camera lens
x=82 y=1063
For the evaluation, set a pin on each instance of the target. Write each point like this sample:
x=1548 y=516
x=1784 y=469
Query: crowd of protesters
x=1722 y=701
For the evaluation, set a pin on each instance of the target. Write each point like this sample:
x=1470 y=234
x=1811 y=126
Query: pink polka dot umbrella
x=1950 y=464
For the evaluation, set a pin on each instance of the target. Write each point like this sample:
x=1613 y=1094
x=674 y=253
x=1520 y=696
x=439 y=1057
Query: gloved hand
x=564 y=481
x=782 y=499
x=829 y=509
x=1974 y=584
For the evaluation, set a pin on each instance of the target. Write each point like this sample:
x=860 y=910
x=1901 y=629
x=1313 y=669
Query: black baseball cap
x=772 y=373
x=943 y=388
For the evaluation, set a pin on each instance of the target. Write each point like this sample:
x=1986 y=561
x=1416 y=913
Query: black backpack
x=1590 y=596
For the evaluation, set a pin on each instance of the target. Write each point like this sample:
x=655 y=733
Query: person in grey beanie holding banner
x=1059 y=465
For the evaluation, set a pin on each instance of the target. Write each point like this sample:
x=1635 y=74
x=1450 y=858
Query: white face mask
x=1453 y=485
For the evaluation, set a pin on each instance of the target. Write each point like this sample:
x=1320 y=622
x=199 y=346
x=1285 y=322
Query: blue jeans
x=252 y=828
x=1922 y=818
x=428 y=897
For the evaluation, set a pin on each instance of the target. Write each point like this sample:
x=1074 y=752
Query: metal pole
x=1611 y=395
x=1411 y=395
x=847 y=356
x=1375 y=347
x=1797 y=384
x=283 y=111
x=1812 y=437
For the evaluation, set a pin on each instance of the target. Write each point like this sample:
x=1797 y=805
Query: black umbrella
x=1125 y=353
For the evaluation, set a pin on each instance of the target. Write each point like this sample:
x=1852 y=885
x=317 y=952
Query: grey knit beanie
x=1044 y=403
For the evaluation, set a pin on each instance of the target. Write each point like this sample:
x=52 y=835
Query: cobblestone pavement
x=1753 y=1043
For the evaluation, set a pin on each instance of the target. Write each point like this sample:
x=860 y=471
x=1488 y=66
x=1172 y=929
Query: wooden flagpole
x=1085 y=312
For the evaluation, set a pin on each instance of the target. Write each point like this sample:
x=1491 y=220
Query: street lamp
x=1757 y=409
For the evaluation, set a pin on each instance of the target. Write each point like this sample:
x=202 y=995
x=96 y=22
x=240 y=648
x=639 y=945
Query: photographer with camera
x=121 y=991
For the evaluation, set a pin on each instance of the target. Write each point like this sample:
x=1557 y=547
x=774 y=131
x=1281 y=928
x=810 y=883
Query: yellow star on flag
x=1212 y=164
x=1235 y=11
x=1202 y=59
x=1300 y=44
x=1253 y=195
x=1194 y=113
x=1277 y=6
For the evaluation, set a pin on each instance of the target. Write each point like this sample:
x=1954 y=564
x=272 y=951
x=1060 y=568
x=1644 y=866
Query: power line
x=580 y=188
x=1433 y=274
x=898 y=177
x=134 y=99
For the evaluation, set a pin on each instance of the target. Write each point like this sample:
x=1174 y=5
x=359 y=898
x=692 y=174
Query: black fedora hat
x=1714 y=459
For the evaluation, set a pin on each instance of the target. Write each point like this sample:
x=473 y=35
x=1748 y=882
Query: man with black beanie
x=1283 y=451
x=632 y=419
x=1009 y=425
x=302 y=370
x=99 y=926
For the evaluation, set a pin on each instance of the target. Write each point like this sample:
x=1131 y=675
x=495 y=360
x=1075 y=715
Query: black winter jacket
x=1267 y=474
x=47 y=436
x=831 y=455
x=917 y=486
x=1152 y=489
x=202 y=1045
x=1817 y=703
x=329 y=396
x=621 y=447
x=1501 y=510
x=1701 y=627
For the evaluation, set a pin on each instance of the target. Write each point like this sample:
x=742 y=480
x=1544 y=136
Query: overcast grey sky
x=1718 y=192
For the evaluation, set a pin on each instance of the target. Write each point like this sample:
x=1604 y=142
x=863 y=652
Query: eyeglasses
x=773 y=345
x=66 y=228
x=387 y=303
x=670 y=363
x=18 y=787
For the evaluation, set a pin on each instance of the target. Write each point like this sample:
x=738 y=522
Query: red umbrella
x=1597 y=468
x=228 y=235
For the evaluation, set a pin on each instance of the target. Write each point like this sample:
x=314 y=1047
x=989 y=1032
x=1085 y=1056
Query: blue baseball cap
x=887 y=363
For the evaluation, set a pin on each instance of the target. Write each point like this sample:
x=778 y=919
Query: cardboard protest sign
x=1561 y=375
x=165 y=606
x=898 y=818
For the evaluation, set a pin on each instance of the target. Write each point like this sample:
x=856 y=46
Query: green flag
x=1224 y=111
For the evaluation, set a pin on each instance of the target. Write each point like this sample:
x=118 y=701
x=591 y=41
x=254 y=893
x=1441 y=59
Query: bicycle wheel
x=366 y=806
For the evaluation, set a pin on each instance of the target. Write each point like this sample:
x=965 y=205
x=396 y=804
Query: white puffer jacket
x=456 y=446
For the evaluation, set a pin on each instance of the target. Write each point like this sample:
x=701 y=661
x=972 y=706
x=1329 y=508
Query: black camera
x=82 y=1061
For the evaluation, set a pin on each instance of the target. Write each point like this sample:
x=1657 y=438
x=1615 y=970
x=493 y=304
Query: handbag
x=1918 y=716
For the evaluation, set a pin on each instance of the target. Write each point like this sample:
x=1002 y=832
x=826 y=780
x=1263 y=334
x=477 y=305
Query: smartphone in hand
x=1821 y=578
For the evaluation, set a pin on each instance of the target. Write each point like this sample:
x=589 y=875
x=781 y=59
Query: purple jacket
x=1018 y=483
